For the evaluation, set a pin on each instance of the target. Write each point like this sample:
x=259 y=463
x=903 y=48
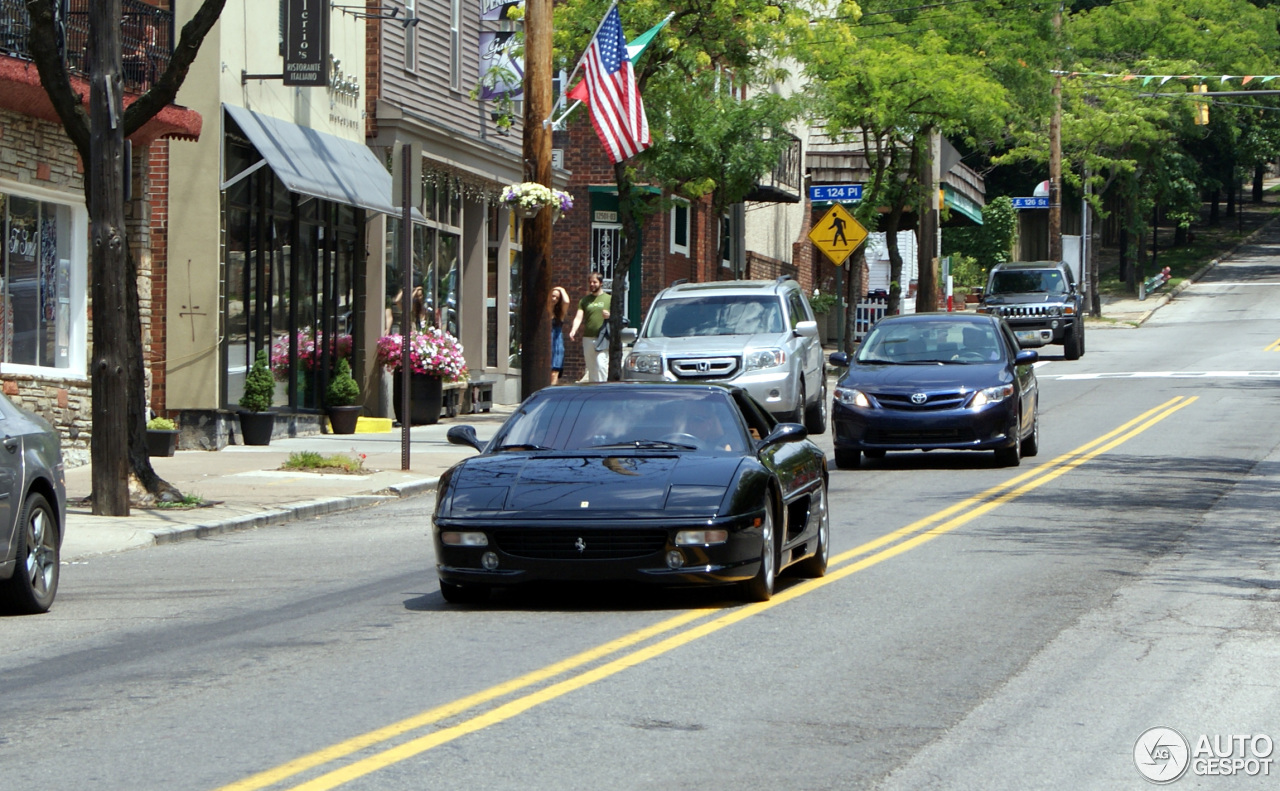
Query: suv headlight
x=1055 y=310
x=848 y=395
x=763 y=358
x=992 y=395
x=645 y=363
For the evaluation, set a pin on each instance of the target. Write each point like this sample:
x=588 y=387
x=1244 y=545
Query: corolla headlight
x=645 y=363
x=992 y=395
x=763 y=358
x=852 y=397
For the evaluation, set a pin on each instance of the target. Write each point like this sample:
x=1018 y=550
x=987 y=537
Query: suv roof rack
x=679 y=282
x=784 y=278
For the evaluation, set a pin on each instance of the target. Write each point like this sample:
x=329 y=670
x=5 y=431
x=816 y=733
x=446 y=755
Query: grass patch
x=309 y=460
x=187 y=501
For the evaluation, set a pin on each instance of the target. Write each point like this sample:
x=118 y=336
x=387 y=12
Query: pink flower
x=432 y=351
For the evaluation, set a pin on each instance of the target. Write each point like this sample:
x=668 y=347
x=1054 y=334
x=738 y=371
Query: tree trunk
x=1259 y=173
x=1122 y=271
x=857 y=289
x=1214 y=199
x=891 y=221
x=109 y=446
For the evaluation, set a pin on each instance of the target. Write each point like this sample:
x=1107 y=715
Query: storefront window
x=514 y=283
x=436 y=245
x=36 y=281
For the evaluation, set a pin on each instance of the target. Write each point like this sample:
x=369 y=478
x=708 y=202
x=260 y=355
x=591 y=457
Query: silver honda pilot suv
x=757 y=334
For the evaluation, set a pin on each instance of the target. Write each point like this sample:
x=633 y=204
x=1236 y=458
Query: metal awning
x=961 y=203
x=315 y=163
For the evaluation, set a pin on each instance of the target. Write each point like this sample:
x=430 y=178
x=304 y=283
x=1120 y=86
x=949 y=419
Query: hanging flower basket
x=528 y=198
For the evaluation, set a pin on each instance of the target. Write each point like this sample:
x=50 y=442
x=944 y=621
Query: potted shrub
x=162 y=437
x=256 y=422
x=340 y=400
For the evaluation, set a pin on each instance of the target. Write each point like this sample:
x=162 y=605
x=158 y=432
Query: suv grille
x=935 y=401
x=1033 y=311
x=595 y=545
x=705 y=367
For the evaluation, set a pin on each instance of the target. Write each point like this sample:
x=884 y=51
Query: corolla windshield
x=928 y=342
x=641 y=419
x=690 y=317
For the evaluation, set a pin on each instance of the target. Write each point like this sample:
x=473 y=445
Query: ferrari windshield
x=634 y=418
x=930 y=342
x=687 y=317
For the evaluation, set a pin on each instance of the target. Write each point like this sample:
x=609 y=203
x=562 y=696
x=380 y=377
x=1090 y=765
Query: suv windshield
x=1028 y=281
x=687 y=317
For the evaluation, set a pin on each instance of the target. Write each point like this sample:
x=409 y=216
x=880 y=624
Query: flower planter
x=161 y=443
x=526 y=212
x=426 y=399
x=256 y=427
x=343 y=419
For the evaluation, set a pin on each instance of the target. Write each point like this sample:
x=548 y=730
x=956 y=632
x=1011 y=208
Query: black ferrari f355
x=674 y=484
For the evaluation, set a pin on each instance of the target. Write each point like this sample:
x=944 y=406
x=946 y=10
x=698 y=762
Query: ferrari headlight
x=645 y=363
x=693 y=537
x=763 y=358
x=459 y=539
x=852 y=397
x=992 y=395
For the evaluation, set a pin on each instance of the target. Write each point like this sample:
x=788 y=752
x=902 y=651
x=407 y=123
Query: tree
x=118 y=448
x=705 y=41
x=889 y=91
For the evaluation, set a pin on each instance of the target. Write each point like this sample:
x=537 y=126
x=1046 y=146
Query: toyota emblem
x=918 y=398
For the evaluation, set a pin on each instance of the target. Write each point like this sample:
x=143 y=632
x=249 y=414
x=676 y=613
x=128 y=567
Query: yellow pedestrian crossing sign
x=837 y=234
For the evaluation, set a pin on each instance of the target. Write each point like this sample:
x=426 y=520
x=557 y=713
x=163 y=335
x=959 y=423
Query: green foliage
x=985 y=245
x=259 y=385
x=161 y=424
x=187 y=501
x=822 y=302
x=343 y=389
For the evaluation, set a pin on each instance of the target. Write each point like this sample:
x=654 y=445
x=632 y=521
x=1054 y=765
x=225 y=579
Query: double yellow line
x=867 y=555
x=1274 y=347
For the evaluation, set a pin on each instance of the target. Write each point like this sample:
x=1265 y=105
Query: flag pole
x=548 y=120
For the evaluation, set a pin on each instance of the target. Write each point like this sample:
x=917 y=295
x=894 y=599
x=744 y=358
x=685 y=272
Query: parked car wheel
x=464 y=594
x=876 y=453
x=1074 y=347
x=815 y=414
x=816 y=565
x=847 y=459
x=34 y=583
x=760 y=587
x=1031 y=444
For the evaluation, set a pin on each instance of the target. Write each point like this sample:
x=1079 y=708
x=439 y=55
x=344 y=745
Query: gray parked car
x=33 y=510
x=757 y=334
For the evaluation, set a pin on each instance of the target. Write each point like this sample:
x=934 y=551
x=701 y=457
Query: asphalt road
x=981 y=627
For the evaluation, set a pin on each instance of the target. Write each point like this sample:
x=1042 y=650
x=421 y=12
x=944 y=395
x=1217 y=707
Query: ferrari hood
x=578 y=486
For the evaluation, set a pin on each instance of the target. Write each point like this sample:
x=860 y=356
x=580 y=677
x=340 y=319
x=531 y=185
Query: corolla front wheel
x=1031 y=445
x=847 y=459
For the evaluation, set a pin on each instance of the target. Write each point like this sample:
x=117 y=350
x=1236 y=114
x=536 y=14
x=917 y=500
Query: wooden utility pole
x=109 y=446
x=535 y=275
x=1055 y=153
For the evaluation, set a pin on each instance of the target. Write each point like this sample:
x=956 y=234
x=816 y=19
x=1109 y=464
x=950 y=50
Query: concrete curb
x=1202 y=271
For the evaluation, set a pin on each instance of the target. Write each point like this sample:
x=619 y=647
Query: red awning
x=21 y=92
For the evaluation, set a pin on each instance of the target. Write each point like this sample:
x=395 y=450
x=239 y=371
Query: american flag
x=611 y=91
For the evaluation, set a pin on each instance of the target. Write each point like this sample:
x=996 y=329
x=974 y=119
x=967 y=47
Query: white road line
x=1229 y=285
x=1168 y=375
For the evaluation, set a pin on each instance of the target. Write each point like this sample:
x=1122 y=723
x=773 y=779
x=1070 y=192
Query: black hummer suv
x=1041 y=303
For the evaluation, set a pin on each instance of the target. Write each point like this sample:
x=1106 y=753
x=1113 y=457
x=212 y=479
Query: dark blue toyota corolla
x=937 y=381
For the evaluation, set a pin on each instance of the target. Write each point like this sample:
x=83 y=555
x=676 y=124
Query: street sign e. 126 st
x=1030 y=203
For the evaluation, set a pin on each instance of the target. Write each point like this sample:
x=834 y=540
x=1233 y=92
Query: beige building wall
x=246 y=40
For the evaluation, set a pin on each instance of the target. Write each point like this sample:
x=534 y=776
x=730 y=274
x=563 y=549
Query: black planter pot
x=256 y=427
x=426 y=398
x=342 y=419
x=161 y=443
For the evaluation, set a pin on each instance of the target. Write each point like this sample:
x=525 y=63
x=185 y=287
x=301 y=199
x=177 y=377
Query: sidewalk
x=244 y=486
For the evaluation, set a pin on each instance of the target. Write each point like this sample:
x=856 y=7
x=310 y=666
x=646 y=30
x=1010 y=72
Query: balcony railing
x=146 y=38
